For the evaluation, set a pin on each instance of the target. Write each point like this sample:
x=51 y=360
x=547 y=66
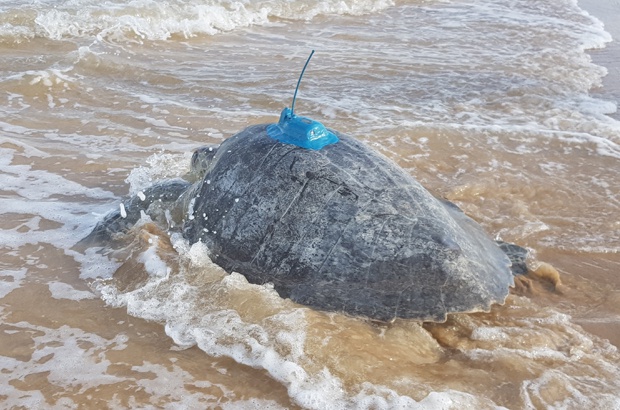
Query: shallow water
x=497 y=107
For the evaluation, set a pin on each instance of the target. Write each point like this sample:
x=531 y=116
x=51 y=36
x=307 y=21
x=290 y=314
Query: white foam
x=536 y=391
x=176 y=384
x=159 y=166
x=33 y=184
x=69 y=358
x=73 y=222
x=160 y=123
x=148 y=19
x=93 y=264
x=536 y=341
x=250 y=404
x=61 y=290
x=153 y=264
x=11 y=280
x=75 y=360
x=26 y=150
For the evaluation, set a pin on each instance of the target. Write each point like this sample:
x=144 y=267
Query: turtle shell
x=342 y=229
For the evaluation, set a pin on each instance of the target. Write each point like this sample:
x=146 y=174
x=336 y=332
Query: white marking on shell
x=123 y=211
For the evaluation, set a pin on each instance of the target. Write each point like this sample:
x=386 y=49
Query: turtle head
x=201 y=160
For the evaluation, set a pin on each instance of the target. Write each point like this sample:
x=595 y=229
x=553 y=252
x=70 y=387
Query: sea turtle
x=331 y=223
x=342 y=228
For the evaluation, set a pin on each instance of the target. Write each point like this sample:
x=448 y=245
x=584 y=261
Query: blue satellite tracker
x=300 y=131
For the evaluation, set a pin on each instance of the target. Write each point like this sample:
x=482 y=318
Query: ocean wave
x=151 y=20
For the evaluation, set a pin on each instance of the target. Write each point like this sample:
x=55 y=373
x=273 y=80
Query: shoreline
x=607 y=11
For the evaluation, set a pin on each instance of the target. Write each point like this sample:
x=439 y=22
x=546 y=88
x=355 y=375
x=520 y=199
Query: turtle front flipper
x=154 y=201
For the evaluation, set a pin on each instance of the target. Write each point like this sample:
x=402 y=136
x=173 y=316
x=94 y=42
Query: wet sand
x=595 y=303
x=608 y=11
x=605 y=268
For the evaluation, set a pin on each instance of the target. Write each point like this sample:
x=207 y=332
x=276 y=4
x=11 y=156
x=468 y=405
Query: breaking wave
x=152 y=20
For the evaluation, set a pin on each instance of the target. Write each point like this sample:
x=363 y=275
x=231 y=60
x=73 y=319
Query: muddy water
x=496 y=107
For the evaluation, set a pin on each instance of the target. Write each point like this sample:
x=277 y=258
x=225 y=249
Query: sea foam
x=201 y=307
x=151 y=20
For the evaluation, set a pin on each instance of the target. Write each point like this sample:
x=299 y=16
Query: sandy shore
x=608 y=11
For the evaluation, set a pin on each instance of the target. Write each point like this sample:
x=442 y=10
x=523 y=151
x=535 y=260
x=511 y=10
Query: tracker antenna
x=299 y=82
